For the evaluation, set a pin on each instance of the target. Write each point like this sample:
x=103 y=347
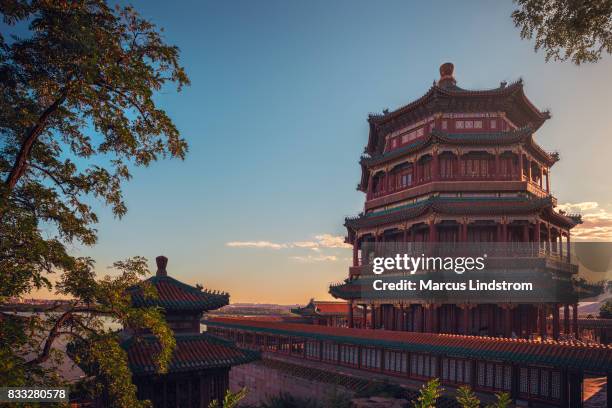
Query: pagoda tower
x=462 y=166
x=198 y=372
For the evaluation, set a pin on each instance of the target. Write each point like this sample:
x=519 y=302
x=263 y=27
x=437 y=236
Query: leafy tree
x=429 y=394
x=576 y=30
x=77 y=112
x=466 y=397
x=605 y=311
x=231 y=399
x=503 y=401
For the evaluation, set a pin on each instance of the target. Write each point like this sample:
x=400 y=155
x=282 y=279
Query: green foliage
x=230 y=400
x=77 y=112
x=466 y=397
x=580 y=31
x=605 y=311
x=429 y=394
x=503 y=401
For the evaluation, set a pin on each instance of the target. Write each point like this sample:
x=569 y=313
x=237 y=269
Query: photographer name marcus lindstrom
x=470 y=285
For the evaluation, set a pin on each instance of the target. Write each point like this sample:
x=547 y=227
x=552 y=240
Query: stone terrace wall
x=263 y=381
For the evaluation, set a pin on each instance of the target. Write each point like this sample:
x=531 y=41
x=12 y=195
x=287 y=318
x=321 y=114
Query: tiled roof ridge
x=349 y=331
x=436 y=136
x=170 y=279
x=455 y=91
x=151 y=338
x=431 y=201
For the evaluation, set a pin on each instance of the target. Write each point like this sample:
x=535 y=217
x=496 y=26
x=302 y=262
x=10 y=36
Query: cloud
x=578 y=207
x=255 y=244
x=331 y=241
x=320 y=241
x=310 y=258
x=596 y=221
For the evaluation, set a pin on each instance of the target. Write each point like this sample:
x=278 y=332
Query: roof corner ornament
x=162 y=262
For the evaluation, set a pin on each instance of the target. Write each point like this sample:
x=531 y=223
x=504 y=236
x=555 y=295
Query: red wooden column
x=467 y=318
x=435 y=165
x=370 y=180
x=463 y=231
x=432 y=231
x=372 y=317
x=507 y=320
x=574 y=388
x=575 y=321
x=555 y=321
x=569 y=255
x=491 y=320
x=528 y=170
x=351 y=322
x=548 y=181
x=435 y=318
x=526 y=233
x=566 y=319
x=497 y=166
x=536 y=234
x=356 y=252
x=542 y=321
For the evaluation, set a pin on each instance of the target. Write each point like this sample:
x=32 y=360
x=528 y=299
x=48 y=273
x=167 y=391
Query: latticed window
x=446 y=167
x=349 y=355
x=396 y=361
x=423 y=365
x=540 y=383
x=370 y=358
x=284 y=344
x=312 y=349
x=534 y=383
x=426 y=170
x=456 y=371
x=404 y=179
x=494 y=376
x=330 y=351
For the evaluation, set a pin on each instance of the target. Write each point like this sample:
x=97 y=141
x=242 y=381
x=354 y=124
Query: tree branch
x=21 y=161
x=55 y=332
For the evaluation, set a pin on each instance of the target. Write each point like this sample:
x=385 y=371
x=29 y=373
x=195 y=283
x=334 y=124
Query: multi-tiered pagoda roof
x=182 y=305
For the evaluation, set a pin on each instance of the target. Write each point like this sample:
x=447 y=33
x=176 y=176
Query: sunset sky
x=276 y=122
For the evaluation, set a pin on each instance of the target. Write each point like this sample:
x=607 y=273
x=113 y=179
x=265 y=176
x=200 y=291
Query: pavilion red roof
x=446 y=96
x=174 y=295
x=596 y=358
x=332 y=308
x=459 y=205
x=192 y=352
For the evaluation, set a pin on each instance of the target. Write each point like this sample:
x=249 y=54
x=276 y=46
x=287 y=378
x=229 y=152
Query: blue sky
x=276 y=122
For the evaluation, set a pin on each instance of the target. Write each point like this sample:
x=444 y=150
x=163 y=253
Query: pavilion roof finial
x=162 y=262
x=446 y=74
